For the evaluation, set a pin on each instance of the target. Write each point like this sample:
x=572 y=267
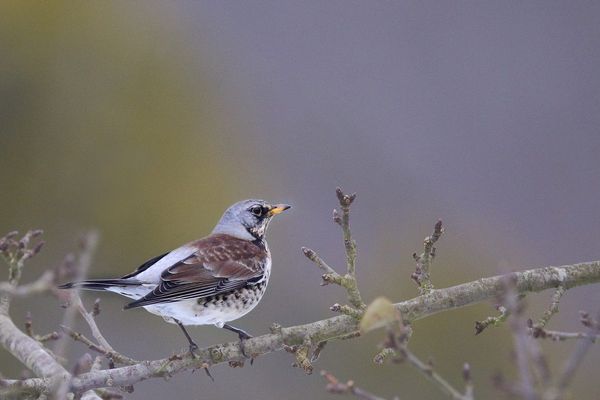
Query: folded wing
x=220 y=265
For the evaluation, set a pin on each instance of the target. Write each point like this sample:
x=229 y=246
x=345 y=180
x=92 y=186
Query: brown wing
x=221 y=264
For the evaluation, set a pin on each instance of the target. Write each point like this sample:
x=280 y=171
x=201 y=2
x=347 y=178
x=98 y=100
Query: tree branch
x=27 y=350
x=439 y=300
x=306 y=340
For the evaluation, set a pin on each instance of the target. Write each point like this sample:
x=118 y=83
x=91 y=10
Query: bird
x=210 y=281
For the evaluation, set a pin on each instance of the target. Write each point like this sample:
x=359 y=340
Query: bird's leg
x=193 y=346
x=243 y=335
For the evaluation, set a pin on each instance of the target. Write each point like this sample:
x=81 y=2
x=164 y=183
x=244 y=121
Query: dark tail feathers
x=99 y=284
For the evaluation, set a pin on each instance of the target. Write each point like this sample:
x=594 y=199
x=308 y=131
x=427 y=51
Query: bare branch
x=345 y=309
x=77 y=266
x=305 y=341
x=311 y=255
x=575 y=360
x=26 y=349
x=419 y=307
x=79 y=337
x=351 y=285
x=559 y=336
x=107 y=348
x=469 y=390
x=553 y=309
x=521 y=340
x=347 y=281
x=396 y=347
x=480 y=326
x=427 y=370
x=15 y=253
x=421 y=275
x=336 y=387
x=43 y=284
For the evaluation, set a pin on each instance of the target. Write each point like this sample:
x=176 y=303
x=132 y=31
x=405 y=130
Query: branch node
x=317 y=351
x=347 y=310
x=96 y=310
x=275 y=328
x=302 y=359
x=383 y=355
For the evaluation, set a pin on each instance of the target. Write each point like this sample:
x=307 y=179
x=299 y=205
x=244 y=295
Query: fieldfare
x=210 y=281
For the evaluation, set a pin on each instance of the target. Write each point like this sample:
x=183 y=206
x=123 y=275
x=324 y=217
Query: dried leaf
x=378 y=314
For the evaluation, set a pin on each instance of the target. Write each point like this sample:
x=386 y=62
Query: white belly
x=215 y=312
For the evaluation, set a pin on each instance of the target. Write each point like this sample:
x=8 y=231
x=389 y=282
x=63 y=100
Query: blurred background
x=146 y=119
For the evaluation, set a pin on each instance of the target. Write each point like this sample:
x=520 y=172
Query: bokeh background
x=146 y=119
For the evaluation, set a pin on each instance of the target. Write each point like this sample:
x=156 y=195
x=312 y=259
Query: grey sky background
x=487 y=110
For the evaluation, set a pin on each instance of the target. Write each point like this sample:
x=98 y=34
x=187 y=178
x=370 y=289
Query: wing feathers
x=220 y=264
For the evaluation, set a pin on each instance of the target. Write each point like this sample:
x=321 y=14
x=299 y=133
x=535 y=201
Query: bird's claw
x=243 y=337
x=193 y=348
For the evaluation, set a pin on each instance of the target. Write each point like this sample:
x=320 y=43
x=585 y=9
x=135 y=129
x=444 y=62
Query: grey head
x=248 y=219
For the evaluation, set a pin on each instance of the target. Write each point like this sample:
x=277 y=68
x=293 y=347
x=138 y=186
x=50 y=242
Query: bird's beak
x=278 y=209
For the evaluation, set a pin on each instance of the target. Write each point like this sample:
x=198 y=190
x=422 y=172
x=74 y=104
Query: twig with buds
x=40 y=338
x=480 y=326
x=347 y=281
x=335 y=386
x=421 y=275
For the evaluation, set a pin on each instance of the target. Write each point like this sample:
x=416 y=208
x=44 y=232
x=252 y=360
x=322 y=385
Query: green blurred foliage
x=107 y=122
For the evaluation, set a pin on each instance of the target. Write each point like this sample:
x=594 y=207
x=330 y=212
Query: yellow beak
x=278 y=209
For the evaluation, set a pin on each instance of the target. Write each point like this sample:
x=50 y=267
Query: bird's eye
x=257 y=211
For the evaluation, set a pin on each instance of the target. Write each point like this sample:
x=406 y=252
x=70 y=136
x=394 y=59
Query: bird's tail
x=100 y=284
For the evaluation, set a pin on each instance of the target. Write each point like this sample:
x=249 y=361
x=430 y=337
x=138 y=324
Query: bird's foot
x=208 y=374
x=193 y=348
x=243 y=336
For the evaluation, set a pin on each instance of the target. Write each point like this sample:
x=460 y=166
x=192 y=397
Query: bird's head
x=248 y=219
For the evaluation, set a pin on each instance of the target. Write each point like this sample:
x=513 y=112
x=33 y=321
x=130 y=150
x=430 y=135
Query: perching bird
x=212 y=280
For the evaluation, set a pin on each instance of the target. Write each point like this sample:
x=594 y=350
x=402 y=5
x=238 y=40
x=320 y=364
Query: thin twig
x=311 y=255
x=395 y=346
x=351 y=286
x=559 y=336
x=469 y=388
x=80 y=337
x=421 y=275
x=80 y=267
x=336 y=387
x=553 y=309
x=480 y=326
x=521 y=339
x=347 y=281
x=575 y=360
x=43 y=284
x=103 y=346
x=15 y=253
x=433 y=376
